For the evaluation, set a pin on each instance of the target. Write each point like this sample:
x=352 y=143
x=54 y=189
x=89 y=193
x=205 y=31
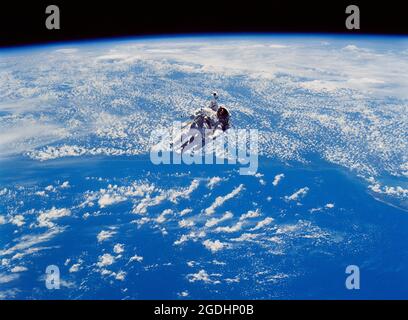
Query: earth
x=79 y=192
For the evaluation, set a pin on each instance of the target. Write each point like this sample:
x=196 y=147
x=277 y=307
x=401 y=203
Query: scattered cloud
x=162 y=217
x=136 y=258
x=105 y=235
x=17 y=220
x=212 y=182
x=193 y=235
x=277 y=179
x=47 y=218
x=183 y=294
x=298 y=194
x=110 y=199
x=75 y=267
x=25 y=244
x=214 y=221
x=6 y=278
x=65 y=185
x=249 y=215
x=174 y=195
x=219 y=201
x=246 y=237
x=230 y=229
x=18 y=269
x=119 y=248
x=203 y=276
x=263 y=223
x=185 y=211
x=105 y=260
x=215 y=246
x=186 y=223
x=145 y=203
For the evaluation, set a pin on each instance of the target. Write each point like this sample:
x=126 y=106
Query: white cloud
x=185 y=211
x=277 y=277
x=118 y=248
x=75 y=267
x=54 y=152
x=245 y=237
x=110 y=199
x=313 y=210
x=49 y=188
x=105 y=234
x=277 y=179
x=215 y=246
x=105 y=260
x=351 y=47
x=145 y=203
x=120 y=276
x=186 y=223
x=65 y=185
x=321 y=85
x=219 y=201
x=2 y=220
x=46 y=218
x=15 y=140
x=4 y=262
x=26 y=243
x=183 y=294
x=162 y=217
x=141 y=221
x=192 y=263
x=249 y=215
x=136 y=258
x=8 y=294
x=277 y=46
x=262 y=223
x=67 y=50
x=17 y=220
x=298 y=194
x=6 y=278
x=214 y=221
x=18 y=269
x=397 y=191
x=193 y=235
x=230 y=229
x=212 y=182
x=173 y=195
x=201 y=275
x=329 y=205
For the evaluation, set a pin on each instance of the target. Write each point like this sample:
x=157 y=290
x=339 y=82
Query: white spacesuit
x=205 y=123
x=211 y=117
x=214 y=104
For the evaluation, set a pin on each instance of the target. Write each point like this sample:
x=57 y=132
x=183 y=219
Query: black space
x=24 y=23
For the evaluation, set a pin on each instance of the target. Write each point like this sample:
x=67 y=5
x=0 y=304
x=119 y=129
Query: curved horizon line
x=192 y=35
